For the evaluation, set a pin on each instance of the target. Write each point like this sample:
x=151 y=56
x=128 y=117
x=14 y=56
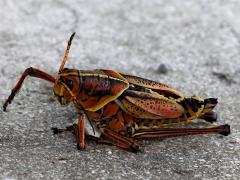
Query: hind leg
x=174 y=132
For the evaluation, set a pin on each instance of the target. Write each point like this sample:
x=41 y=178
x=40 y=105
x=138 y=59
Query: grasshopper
x=124 y=108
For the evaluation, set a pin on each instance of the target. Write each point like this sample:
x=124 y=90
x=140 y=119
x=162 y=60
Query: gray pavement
x=197 y=42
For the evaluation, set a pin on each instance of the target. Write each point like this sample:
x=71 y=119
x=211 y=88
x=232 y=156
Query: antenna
x=66 y=53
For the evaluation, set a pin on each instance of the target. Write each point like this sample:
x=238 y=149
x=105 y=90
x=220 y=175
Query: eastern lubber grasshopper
x=124 y=108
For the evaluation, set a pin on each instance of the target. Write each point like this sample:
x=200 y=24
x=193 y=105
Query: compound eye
x=69 y=83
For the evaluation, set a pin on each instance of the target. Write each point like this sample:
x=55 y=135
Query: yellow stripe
x=90 y=75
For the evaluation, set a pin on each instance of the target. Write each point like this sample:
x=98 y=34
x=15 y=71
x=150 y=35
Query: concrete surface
x=197 y=41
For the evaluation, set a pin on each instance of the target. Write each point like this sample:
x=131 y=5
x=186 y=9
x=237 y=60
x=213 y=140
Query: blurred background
x=193 y=46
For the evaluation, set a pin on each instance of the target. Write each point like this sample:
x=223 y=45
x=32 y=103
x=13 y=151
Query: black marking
x=191 y=103
x=184 y=104
x=101 y=87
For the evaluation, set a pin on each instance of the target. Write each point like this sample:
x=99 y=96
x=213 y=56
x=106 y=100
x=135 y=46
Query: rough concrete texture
x=198 y=42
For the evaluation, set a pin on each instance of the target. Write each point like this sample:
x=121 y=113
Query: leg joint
x=30 y=70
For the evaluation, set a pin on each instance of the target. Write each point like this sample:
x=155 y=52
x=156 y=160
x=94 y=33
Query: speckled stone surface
x=197 y=43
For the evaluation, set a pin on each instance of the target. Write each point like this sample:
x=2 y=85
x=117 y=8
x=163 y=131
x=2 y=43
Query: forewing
x=135 y=110
x=153 y=85
x=154 y=104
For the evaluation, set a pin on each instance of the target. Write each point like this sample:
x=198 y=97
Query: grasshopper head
x=66 y=81
x=66 y=86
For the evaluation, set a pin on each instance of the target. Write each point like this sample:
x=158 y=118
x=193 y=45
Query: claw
x=55 y=130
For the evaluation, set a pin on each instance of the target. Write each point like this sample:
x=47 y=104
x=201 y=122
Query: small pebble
x=109 y=152
x=162 y=69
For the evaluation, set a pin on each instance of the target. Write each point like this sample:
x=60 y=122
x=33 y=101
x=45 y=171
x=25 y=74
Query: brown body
x=124 y=107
